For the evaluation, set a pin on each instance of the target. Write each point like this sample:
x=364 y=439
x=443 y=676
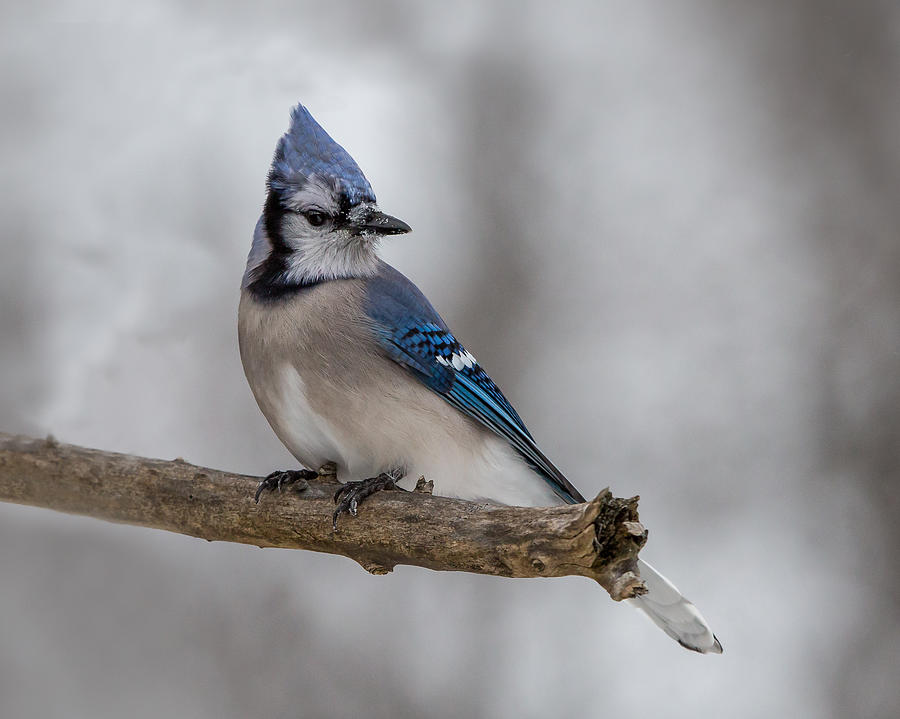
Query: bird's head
x=320 y=221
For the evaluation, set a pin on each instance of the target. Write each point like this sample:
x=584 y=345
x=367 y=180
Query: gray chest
x=328 y=391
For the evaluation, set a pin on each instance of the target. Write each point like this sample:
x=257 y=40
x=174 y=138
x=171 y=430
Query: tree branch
x=599 y=539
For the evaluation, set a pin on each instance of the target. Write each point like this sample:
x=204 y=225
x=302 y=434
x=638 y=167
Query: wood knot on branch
x=620 y=536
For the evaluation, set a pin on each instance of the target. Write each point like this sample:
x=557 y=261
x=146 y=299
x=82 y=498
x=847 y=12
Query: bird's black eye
x=315 y=218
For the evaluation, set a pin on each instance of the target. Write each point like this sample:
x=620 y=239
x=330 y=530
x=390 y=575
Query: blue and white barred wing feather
x=412 y=333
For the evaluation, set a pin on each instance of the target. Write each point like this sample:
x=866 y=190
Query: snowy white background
x=671 y=232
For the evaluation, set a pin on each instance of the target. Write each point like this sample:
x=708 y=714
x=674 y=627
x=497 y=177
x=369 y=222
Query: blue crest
x=306 y=150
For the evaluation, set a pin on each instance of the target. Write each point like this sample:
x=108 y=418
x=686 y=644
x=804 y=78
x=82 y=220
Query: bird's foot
x=350 y=495
x=277 y=480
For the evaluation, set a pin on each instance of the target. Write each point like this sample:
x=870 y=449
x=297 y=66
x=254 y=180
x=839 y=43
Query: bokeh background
x=671 y=231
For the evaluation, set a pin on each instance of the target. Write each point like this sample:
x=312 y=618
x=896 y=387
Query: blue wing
x=412 y=333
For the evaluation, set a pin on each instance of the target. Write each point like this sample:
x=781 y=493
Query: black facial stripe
x=273 y=213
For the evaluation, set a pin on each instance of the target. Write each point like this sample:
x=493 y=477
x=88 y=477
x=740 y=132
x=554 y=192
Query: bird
x=354 y=368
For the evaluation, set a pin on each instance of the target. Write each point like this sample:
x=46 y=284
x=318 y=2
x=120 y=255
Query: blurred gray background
x=671 y=231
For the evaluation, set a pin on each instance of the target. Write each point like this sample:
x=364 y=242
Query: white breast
x=305 y=433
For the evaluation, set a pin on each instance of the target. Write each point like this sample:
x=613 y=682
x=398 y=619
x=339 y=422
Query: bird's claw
x=349 y=496
x=276 y=480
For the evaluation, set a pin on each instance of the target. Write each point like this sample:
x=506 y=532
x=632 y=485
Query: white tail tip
x=674 y=614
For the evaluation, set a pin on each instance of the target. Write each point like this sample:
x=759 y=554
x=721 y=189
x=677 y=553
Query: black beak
x=379 y=223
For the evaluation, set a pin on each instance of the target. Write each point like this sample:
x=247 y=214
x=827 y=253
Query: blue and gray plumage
x=351 y=364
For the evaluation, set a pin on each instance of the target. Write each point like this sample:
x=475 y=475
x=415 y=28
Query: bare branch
x=599 y=539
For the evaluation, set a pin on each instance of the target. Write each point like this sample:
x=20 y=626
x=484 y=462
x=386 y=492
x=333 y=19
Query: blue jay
x=351 y=364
